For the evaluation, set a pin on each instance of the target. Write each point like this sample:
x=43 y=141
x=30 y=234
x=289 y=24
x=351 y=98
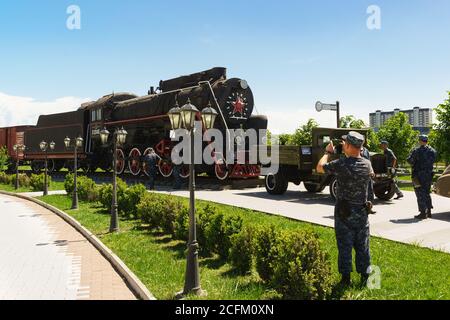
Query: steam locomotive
x=148 y=126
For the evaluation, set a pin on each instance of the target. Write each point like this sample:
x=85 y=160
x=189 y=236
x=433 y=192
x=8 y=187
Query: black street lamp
x=17 y=149
x=44 y=146
x=185 y=117
x=77 y=143
x=119 y=138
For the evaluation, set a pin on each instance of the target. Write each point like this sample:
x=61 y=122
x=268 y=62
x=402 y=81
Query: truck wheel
x=276 y=183
x=313 y=187
x=333 y=188
x=384 y=191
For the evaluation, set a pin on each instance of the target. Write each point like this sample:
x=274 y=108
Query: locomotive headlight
x=175 y=118
x=121 y=136
x=43 y=146
x=104 y=135
x=188 y=112
x=244 y=84
x=209 y=117
x=79 y=142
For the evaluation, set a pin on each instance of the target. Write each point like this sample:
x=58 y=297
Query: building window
x=99 y=114
x=93 y=115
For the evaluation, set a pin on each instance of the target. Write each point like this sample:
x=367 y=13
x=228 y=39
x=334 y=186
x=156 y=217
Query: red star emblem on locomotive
x=238 y=105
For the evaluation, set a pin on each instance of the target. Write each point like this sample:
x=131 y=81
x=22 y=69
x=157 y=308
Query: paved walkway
x=42 y=257
x=394 y=219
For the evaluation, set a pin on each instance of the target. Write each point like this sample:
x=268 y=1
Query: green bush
x=130 y=199
x=86 y=188
x=265 y=251
x=24 y=180
x=219 y=231
x=301 y=269
x=37 y=181
x=242 y=250
x=105 y=193
x=6 y=178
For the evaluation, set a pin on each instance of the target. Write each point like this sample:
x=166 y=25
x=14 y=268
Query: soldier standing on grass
x=391 y=162
x=370 y=195
x=351 y=210
x=422 y=160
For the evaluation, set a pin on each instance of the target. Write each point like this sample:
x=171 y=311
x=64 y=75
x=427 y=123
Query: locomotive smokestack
x=151 y=91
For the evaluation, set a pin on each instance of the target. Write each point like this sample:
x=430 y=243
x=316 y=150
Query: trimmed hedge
x=86 y=188
x=37 y=181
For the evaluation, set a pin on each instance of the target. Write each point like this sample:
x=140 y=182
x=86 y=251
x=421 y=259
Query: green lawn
x=408 y=272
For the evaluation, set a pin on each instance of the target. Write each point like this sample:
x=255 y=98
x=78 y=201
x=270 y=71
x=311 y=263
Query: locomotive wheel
x=184 y=171
x=276 y=184
x=221 y=171
x=51 y=165
x=333 y=188
x=313 y=187
x=134 y=162
x=120 y=163
x=165 y=168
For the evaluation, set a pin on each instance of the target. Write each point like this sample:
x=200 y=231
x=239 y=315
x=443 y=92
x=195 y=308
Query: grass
x=54 y=185
x=407 y=271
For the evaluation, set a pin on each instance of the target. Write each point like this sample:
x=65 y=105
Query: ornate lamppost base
x=199 y=292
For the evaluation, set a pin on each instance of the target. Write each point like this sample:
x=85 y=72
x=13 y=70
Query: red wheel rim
x=165 y=168
x=221 y=171
x=184 y=172
x=134 y=164
x=120 y=164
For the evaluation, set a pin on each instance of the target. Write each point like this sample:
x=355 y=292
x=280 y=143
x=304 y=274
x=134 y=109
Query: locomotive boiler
x=148 y=126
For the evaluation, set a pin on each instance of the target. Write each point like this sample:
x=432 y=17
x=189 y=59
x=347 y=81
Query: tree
x=350 y=121
x=3 y=158
x=400 y=135
x=440 y=134
x=283 y=139
x=303 y=135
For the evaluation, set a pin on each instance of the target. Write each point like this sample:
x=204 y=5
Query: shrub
x=242 y=250
x=24 y=180
x=105 y=193
x=6 y=178
x=219 y=232
x=301 y=269
x=265 y=251
x=86 y=188
x=37 y=181
x=130 y=199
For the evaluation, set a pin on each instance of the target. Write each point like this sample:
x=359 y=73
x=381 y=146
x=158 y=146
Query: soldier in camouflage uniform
x=391 y=162
x=422 y=160
x=351 y=211
x=370 y=195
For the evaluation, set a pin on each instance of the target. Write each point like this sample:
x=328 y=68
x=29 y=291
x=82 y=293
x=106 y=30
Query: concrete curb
x=130 y=278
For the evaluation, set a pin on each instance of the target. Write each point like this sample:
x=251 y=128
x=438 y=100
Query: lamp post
x=77 y=143
x=119 y=138
x=184 y=117
x=44 y=146
x=17 y=149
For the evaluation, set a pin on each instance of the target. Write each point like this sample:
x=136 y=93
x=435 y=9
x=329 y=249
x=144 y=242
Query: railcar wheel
x=36 y=167
x=134 y=162
x=165 y=168
x=51 y=165
x=184 y=171
x=221 y=171
x=333 y=188
x=276 y=183
x=120 y=163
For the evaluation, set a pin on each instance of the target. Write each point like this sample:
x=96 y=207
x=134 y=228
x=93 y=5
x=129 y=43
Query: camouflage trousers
x=423 y=196
x=352 y=232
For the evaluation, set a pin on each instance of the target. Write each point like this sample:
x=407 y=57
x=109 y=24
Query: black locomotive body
x=148 y=126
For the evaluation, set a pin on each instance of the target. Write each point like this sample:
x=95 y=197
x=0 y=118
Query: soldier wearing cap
x=391 y=162
x=422 y=160
x=353 y=174
x=151 y=159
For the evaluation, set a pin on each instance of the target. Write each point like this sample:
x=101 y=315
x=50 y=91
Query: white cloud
x=17 y=110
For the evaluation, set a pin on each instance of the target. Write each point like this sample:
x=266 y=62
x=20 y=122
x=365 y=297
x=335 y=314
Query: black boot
x=345 y=280
x=421 y=216
x=364 y=278
x=428 y=213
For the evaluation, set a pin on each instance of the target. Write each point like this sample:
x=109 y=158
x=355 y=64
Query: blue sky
x=291 y=52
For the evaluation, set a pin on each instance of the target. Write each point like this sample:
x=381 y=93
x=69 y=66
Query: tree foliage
x=303 y=135
x=3 y=158
x=440 y=134
x=373 y=144
x=400 y=134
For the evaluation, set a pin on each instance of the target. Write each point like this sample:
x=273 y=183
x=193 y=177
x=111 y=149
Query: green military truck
x=297 y=164
x=442 y=186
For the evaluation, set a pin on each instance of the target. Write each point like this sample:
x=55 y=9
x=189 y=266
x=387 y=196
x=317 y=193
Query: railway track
x=201 y=182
